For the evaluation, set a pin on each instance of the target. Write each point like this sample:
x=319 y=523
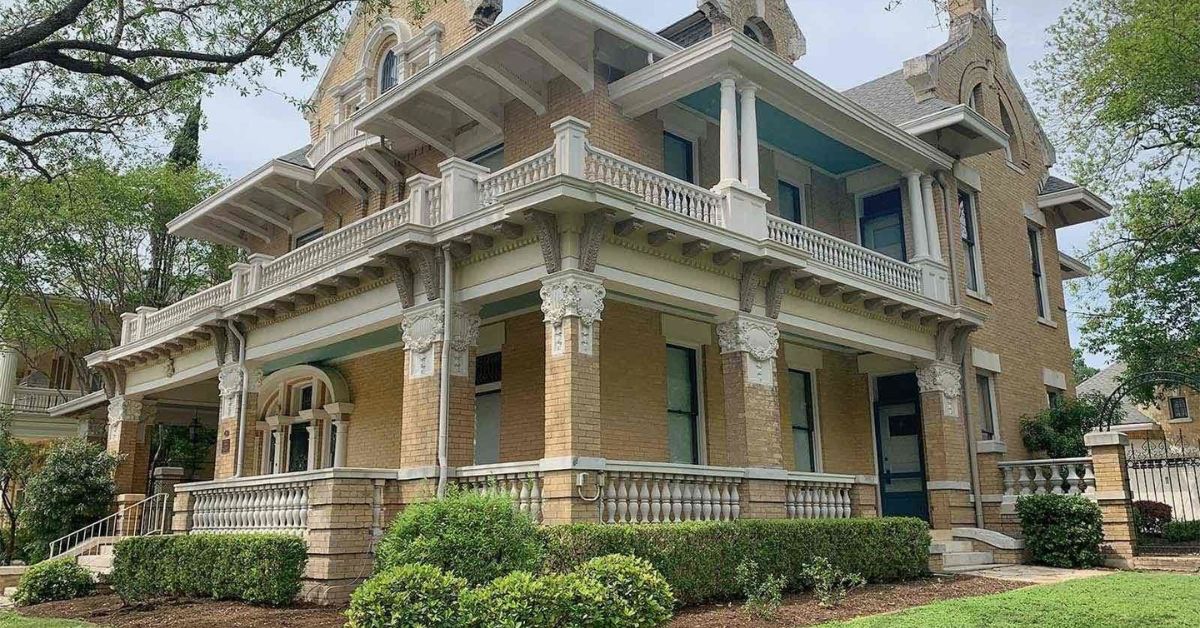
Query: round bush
x=1061 y=530
x=636 y=594
x=52 y=580
x=408 y=595
x=555 y=600
x=477 y=537
x=1151 y=517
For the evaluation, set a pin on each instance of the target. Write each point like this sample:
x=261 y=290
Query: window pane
x=790 y=205
x=966 y=216
x=987 y=422
x=488 y=369
x=803 y=445
x=681 y=438
x=882 y=224
x=309 y=236
x=678 y=157
x=487 y=428
x=306 y=398
x=387 y=73
x=800 y=398
x=1179 y=408
x=681 y=380
x=298 y=447
x=492 y=158
x=1035 y=256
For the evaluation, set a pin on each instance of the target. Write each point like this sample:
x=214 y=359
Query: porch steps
x=951 y=560
x=99 y=564
x=963 y=550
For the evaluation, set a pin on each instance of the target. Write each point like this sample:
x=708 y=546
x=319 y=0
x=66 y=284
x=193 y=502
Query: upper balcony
x=37 y=400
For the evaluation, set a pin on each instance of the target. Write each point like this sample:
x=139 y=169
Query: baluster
x=676 y=501
x=643 y=501
x=1089 y=478
x=523 y=500
x=790 y=500
x=622 y=500
x=535 y=499
x=736 y=501
x=655 y=500
x=1039 y=480
x=688 y=491
x=1026 y=482
x=1073 y=479
x=1009 y=481
x=1056 y=480
x=610 y=499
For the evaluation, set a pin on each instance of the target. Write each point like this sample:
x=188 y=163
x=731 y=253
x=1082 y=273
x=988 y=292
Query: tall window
x=970 y=239
x=683 y=406
x=1009 y=128
x=976 y=98
x=487 y=408
x=800 y=395
x=679 y=157
x=492 y=158
x=791 y=202
x=1179 y=408
x=388 y=75
x=297 y=449
x=987 y=406
x=1039 y=275
x=1054 y=397
x=882 y=224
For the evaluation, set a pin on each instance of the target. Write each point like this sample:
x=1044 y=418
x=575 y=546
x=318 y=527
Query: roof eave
x=1086 y=205
x=275 y=167
x=985 y=136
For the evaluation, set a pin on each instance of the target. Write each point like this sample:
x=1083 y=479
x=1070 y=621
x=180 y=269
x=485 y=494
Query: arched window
x=975 y=100
x=1007 y=122
x=387 y=72
x=750 y=31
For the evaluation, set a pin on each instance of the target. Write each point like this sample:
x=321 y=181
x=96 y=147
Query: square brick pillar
x=864 y=499
x=1113 y=495
x=749 y=345
x=422 y=328
x=230 y=381
x=572 y=302
x=127 y=421
x=947 y=474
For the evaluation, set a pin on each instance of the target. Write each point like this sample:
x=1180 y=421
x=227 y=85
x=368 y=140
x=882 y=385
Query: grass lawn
x=1126 y=599
x=13 y=620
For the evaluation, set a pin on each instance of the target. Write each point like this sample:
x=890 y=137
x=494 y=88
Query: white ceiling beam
x=441 y=144
x=240 y=223
x=485 y=119
x=263 y=214
x=219 y=236
x=374 y=182
x=382 y=164
x=301 y=201
x=512 y=84
x=581 y=76
x=349 y=185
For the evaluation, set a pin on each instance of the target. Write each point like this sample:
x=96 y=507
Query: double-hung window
x=1179 y=408
x=881 y=227
x=679 y=157
x=683 y=406
x=970 y=239
x=487 y=408
x=987 y=406
x=803 y=419
x=1039 y=274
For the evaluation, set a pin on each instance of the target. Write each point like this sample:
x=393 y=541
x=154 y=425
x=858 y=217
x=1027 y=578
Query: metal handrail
x=145 y=518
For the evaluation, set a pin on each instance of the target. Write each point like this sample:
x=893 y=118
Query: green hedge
x=1182 y=531
x=53 y=580
x=1061 y=530
x=699 y=560
x=256 y=568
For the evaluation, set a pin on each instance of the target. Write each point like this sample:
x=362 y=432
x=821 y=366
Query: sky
x=849 y=42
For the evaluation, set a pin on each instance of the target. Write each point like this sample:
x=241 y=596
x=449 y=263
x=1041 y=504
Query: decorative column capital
x=122 y=408
x=423 y=326
x=758 y=338
x=572 y=294
x=944 y=378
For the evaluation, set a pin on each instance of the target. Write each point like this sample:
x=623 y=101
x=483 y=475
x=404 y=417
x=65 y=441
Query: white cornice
x=275 y=167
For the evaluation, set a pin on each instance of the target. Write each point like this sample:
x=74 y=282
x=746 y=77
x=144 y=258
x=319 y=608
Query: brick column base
x=864 y=500
x=763 y=499
x=944 y=439
x=563 y=502
x=126 y=438
x=1113 y=495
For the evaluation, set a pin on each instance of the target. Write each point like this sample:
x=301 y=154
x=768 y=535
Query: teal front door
x=900 y=448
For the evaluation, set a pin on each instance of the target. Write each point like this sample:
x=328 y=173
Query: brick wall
x=376 y=382
x=522 y=391
x=633 y=370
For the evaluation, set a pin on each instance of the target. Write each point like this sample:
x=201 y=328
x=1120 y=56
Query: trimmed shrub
x=699 y=560
x=1151 y=516
x=477 y=537
x=1061 y=530
x=408 y=595
x=255 y=568
x=555 y=600
x=1182 y=531
x=635 y=594
x=53 y=580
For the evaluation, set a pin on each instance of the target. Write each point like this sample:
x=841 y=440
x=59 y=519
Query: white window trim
x=818 y=459
x=1046 y=319
x=981 y=291
x=701 y=419
x=1187 y=418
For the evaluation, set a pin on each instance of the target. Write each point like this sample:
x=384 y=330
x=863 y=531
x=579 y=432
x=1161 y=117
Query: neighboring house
x=623 y=275
x=1172 y=416
x=30 y=388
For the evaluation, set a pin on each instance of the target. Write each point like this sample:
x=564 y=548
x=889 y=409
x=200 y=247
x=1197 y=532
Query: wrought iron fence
x=1166 y=469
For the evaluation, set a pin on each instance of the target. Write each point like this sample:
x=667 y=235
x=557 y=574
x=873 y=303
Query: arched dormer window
x=388 y=75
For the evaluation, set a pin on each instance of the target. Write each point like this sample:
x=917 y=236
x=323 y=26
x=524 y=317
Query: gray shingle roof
x=297 y=157
x=891 y=98
x=1107 y=381
x=689 y=30
x=1055 y=184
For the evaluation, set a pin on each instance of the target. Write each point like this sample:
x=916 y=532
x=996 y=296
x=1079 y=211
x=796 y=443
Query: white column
x=8 y=374
x=264 y=462
x=931 y=223
x=749 y=136
x=343 y=437
x=729 y=131
x=916 y=212
x=314 y=444
x=280 y=436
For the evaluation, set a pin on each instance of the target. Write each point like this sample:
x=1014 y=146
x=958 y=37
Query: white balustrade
x=847 y=256
x=433 y=200
x=267 y=507
x=39 y=400
x=522 y=483
x=653 y=187
x=334 y=137
x=670 y=495
x=1062 y=476
x=183 y=310
x=528 y=171
x=807 y=497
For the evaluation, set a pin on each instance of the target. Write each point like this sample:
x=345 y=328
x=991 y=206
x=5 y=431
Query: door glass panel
x=487 y=428
x=297 y=447
x=900 y=431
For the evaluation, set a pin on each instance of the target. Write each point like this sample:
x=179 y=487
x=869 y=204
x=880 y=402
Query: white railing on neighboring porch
x=39 y=400
x=653 y=187
x=818 y=496
x=522 y=482
x=1062 y=476
x=263 y=507
x=846 y=256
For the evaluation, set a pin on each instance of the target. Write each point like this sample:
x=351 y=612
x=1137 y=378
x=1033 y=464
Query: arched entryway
x=303 y=417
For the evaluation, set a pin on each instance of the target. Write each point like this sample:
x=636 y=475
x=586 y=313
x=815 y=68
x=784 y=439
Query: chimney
x=959 y=9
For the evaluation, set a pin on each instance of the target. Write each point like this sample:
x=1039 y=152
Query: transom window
x=803 y=419
x=882 y=224
x=791 y=202
x=1179 y=408
x=679 y=157
x=683 y=406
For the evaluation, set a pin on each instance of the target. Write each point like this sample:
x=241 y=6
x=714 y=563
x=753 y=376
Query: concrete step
x=97 y=563
x=948 y=547
x=966 y=559
x=10 y=591
x=971 y=568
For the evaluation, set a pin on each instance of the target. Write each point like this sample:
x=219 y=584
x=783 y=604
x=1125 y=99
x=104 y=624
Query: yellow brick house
x=625 y=276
